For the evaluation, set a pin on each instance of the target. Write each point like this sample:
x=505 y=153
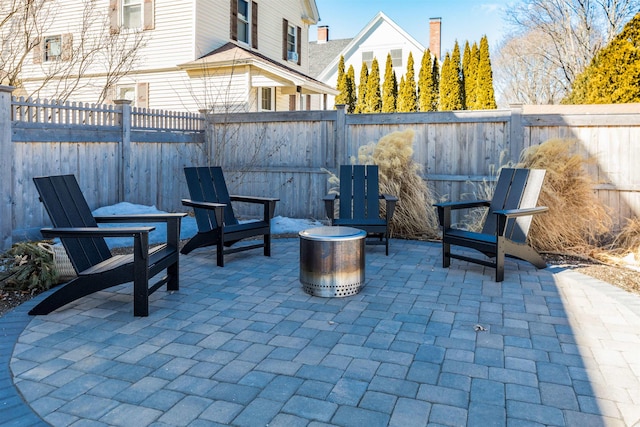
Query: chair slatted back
x=67 y=207
x=207 y=184
x=359 y=192
x=516 y=188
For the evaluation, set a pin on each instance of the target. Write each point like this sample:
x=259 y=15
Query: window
x=243 y=21
x=266 y=99
x=292 y=55
x=291 y=41
x=396 y=57
x=367 y=58
x=132 y=13
x=128 y=93
x=52 y=48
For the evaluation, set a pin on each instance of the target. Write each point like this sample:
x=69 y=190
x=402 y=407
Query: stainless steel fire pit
x=332 y=261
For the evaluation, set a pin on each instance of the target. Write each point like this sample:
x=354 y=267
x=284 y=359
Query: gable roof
x=233 y=55
x=353 y=45
x=321 y=54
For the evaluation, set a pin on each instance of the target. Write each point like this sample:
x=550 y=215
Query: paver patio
x=420 y=345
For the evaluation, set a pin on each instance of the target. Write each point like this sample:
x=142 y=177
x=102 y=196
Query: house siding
x=185 y=31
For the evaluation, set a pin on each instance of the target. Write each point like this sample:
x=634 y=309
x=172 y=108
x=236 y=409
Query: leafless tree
x=523 y=73
x=91 y=54
x=568 y=33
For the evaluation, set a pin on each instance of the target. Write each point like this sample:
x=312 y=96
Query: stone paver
x=243 y=345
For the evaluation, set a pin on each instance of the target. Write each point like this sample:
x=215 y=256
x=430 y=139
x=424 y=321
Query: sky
x=462 y=20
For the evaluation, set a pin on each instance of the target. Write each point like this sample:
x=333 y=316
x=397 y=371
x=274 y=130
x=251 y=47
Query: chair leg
x=446 y=255
x=267 y=244
x=500 y=260
x=141 y=292
x=173 y=277
x=220 y=249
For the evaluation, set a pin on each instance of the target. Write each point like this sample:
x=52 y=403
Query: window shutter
x=148 y=15
x=299 y=44
x=67 y=47
x=254 y=25
x=234 y=19
x=37 y=52
x=285 y=29
x=142 y=95
x=114 y=12
x=292 y=103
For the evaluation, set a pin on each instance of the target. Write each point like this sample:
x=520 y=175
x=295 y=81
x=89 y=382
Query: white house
x=214 y=55
x=380 y=37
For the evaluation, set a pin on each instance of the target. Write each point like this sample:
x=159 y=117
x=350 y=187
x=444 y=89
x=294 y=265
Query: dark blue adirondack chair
x=359 y=203
x=506 y=225
x=92 y=260
x=217 y=223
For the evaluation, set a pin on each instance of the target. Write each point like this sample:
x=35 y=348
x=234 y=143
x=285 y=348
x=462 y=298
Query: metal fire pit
x=332 y=261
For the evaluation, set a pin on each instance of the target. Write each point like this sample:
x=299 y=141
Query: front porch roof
x=268 y=71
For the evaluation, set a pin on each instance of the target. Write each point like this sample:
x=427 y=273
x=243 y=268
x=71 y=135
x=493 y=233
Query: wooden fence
x=120 y=153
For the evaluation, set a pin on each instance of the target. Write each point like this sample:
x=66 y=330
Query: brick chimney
x=434 y=36
x=323 y=33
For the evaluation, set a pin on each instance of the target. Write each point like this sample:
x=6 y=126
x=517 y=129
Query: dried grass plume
x=576 y=219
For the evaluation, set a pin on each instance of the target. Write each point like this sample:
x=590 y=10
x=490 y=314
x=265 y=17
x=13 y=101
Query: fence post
x=125 y=175
x=6 y=172
x=341 y=134
x=516 y=131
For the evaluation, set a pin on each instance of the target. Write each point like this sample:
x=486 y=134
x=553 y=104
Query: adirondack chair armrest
x=95 y=231
x=465 y=204
x=252 y=199
x=445 y=208
x=513 y=213
x=160 y=217
x=203 y=205
x=390 y=202
x=329 y=205
x=269 y=203
x=217 y=208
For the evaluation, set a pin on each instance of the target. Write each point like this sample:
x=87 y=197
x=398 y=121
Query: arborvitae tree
x=456 y=61
x=613 y=75
x=435 y=82
x=469 y=73
x=341 y=97
x=389 y=88
x=408 y=92
x=466 y=58
x=484 y=95
x=450 y=82
x=401 y=100
x=362 y=89
x=351 y=90
x=425 y=91
x=373 y=102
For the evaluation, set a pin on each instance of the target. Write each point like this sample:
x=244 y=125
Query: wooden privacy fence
x=120 y=153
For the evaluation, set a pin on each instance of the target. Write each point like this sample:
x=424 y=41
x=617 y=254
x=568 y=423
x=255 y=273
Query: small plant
x=27 y=267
